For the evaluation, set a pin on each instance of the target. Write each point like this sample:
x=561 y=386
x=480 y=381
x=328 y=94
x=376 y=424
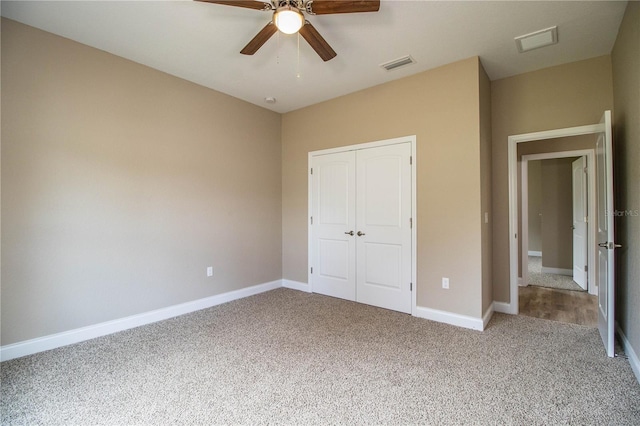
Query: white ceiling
x=200 y=42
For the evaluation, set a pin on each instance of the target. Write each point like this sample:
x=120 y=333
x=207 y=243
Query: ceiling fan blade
x=325 y=7
x=316 y=41
x=260 y=39
x=248 y=4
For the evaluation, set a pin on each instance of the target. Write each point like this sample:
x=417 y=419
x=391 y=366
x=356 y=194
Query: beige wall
x=557 y=213
x=626 y=91
x=441 y=107
x=567 y=95
x=121 y=184
x=485 y=186
x=534 y=203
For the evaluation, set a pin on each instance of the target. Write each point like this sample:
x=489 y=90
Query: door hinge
x=312 y=269
x=586 y=219
x=410 y=223
x=585 y=170
x=410 y=159
x=586 y=268
x=312 y=170
x=410 y=286
x=312 y=220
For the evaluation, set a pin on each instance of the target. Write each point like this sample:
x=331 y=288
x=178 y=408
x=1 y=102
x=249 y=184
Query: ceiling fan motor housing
x=301 y=5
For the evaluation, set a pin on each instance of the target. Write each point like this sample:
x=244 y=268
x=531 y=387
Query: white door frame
x=512 y=158
x=591 y=209
x=414 y=205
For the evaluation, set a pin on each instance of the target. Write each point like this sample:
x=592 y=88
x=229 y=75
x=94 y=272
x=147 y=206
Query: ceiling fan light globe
x=288 y=20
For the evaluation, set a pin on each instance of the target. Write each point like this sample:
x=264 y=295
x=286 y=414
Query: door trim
x=512 y=159
x=414 y=228
x=591 y=209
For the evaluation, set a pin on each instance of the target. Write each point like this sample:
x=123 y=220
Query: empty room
x=320 y=212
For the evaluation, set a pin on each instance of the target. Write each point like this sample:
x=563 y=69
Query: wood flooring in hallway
x=558 y=305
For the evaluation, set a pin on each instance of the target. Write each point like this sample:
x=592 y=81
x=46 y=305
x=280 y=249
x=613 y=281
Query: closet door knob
x=349 y=233
x=360 y=234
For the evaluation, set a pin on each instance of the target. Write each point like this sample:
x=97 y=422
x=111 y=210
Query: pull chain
x=298 y=65
x=278 y=49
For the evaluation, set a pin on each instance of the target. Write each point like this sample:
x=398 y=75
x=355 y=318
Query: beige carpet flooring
x=287 y=357
x=543 y=279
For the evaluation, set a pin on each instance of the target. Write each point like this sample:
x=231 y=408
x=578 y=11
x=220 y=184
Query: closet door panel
x=383 y=215
x=333 y=212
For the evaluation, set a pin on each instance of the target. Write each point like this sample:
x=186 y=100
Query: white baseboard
x=634 y=361
x=504 y=308
x=557 y=271
x=535 y=253
x=521 y=282
x=487 y=316
x=32 y=346
x=449 y=318
x=296 y=285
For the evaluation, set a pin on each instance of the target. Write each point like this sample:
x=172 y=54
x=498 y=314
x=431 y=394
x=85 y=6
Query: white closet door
x=383 y=227
x=333 y=211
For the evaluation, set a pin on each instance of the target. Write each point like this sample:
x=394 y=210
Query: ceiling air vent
x=398 y=63
x=538 y=39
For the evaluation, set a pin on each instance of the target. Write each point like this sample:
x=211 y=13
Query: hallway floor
x=543 y=279
x=567 y=306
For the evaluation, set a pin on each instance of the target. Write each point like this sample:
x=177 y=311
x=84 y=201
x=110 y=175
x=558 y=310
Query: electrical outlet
x=210 y=271
x=445 y=283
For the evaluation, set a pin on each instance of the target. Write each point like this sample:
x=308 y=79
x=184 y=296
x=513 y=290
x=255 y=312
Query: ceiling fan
x=288 y=17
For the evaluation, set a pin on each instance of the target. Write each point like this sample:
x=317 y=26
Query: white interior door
x=579 y=182
x=361 y=237
x=383 y=215
x=333 y=213
x=606 y=244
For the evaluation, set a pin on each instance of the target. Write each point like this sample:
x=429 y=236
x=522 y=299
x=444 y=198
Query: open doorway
x=606 y=244
x=557 y=222
x=555 y=281
x=556 y=256
x=558 y=218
